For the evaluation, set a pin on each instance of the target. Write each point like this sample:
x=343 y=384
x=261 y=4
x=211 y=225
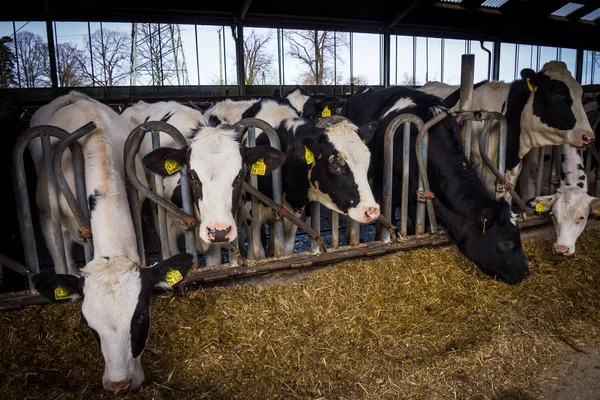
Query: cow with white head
x=571 y=205
x=116 y=290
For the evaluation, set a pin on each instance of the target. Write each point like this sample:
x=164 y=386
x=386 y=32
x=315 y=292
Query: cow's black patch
x=552 y=103
x=515 y=103
x=580 y=184
x=214 y=121
x=580 y=167
x=140 y=321
x=582 y=178
x=167 y=116
x=93 y=199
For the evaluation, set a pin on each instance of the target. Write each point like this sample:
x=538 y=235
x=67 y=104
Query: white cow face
x=217 y=165
x=116 y=306
x=570 y=208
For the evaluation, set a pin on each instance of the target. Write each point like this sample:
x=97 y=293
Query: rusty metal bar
x=78 y=206
x=421 y=150
x=132 y=146
x=276 y=177
x=315 y=223
x=15 y=266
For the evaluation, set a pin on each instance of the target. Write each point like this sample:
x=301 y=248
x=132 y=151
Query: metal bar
x=160 y=216
x=556 y=169
x=421 y=150
x=388 y=162
x=15 y=266
x=276 y=175
x=466 y=97
x=315 y=223
x=131 y=150
x=335 y=230
x=77 y=206
x=255 y=237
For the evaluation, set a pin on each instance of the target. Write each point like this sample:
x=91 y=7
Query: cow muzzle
x=563 y=250
x=218 y=233
x=121 y=386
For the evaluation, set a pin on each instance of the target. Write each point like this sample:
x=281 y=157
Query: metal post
x=386 y=57
x=16 y=52
x=466 y=97
x=197 y=52
x=241 y=70
x=52 y=54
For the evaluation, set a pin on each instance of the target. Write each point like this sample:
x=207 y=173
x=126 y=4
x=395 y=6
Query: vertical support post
x=579 y=66
x=315 y=222
x=540 y=171
x=52 y=54
x=466 y=97
x=241 y=70
x=386 y=57
x=496 y=60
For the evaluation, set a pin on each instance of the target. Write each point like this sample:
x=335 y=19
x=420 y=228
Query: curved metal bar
x=22 y=198
x=332 y=120
x=276 y=174
x=422 y=162
x=132 y=146
x=482 y=140
x=388 y=160
x=79 y=210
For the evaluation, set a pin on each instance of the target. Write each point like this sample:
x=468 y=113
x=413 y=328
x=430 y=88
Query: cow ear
x=271 y=157
x=595 y=207
x=166 y=161
x=276 y=94
x=529 y=78
x=367 y=131
x=312 y=145
x=172 y=270
x=57 y=287
x=542 y=205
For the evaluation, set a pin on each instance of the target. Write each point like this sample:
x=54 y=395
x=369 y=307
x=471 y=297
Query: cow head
x=556 y=106
x=217 y=164
x=569 y=207
x=298 y=98
x=116 y=306
x=491 y=240
x=338 y=170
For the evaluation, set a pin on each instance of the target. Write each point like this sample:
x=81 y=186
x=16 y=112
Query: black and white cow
x=543 y=108
x=116 y=290
x=298 y=98
x=571 y=205
x=326 y=165
x=217 y=164
x=481 y=226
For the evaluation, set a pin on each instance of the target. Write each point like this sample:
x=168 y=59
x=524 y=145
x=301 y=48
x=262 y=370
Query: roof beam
x=586 y=9
x=412 y=4
x=245 y=8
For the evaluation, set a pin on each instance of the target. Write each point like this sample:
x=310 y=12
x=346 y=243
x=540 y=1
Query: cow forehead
x=346 y=141
x=215 y=154
x=571 y=201
x=111 y=292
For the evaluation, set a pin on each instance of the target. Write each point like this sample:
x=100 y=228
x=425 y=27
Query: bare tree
x=257 y=61
x=70 y=69
x=8 y=77
x=324 y=51
x=32 y=53
x=359 y=81
x=109 y=63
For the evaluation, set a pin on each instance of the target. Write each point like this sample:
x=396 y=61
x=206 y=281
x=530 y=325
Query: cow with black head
x=327 y=165
x=481 y=226
x=115 y=288
x=542 y=109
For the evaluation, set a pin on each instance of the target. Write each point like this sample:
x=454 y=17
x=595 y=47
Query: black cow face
x=116 y=306
x=492 y=241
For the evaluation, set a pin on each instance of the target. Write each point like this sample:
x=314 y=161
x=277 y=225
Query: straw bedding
x=419 y=324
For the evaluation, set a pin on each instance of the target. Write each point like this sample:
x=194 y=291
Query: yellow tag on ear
x=60 y=293
x=310 y=157
x=173 y=276
x=529 y=85
x=484 y=221
x=171 y=166
x=326 y=112
x=259 y=167
x=539 y=207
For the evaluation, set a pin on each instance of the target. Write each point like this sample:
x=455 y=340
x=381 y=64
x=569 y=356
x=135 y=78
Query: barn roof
x=557 y=23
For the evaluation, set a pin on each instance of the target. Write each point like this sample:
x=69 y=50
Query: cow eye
x=580 y=219
x=506 y=245
x=557 y=94
x=336 y=168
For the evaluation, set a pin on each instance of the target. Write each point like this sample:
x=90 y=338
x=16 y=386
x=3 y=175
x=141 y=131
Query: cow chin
x=580 y=140
x=133 y=381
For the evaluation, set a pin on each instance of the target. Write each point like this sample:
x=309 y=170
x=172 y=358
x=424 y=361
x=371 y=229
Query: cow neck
x=515 y=103
x=295 y=174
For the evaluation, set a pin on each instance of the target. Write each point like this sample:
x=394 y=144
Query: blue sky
x=365 y=63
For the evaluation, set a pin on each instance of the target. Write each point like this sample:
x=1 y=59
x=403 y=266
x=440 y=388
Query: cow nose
x=561 y=249
x=372 y=214
x=218 y=233
x=587 y=138
x=119 y=386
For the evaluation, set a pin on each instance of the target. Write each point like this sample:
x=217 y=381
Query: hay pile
x=420 y=324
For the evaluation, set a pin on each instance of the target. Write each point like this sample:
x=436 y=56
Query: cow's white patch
x=111 y=291
x=400 y=104
x=297 y=100
x=229 y=111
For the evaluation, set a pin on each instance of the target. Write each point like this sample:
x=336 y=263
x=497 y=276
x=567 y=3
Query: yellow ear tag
x=539 y=207
x=484 y=221
x=171 y=166
x=259 y=167
x=529 y=85
x=60 y=293
x=326 y=112
x=173 y=276
x=310 y=157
